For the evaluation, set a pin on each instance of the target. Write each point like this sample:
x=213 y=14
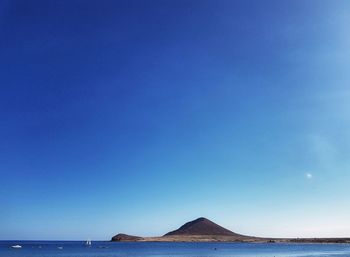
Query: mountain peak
x=201 y=226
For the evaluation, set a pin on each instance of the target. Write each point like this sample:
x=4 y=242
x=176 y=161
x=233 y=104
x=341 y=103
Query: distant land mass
x=204 y=230
x=201 y=226
x=125 y=237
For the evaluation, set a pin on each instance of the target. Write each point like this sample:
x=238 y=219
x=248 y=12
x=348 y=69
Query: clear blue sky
x=137 y=116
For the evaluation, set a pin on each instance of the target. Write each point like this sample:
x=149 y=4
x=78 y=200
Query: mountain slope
x=201 y=226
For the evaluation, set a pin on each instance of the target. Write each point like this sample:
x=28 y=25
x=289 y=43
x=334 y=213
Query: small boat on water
x=60 y=247
x=16 y=246
x=88 y=243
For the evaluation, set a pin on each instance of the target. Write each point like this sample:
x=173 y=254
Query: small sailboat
x=16 y=246
x=88 y=243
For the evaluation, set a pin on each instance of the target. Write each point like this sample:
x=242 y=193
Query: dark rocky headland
x=204 y=230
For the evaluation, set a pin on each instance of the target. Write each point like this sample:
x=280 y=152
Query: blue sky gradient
x=137 y=116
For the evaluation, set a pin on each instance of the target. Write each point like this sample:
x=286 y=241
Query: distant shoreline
x=210 y=239
x=204 y=230
x=161 y=240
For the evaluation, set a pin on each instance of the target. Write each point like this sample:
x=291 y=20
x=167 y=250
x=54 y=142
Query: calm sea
x=107 y=249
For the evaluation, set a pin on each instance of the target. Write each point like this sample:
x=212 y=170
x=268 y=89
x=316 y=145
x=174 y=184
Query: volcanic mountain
x=199 y=227
x=204 y=230
x=201 y=230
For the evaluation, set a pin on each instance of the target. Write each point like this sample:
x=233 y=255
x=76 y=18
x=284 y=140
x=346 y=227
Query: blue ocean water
x=142 y=249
